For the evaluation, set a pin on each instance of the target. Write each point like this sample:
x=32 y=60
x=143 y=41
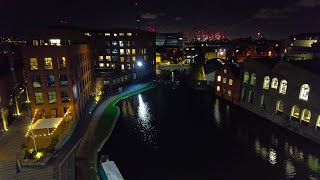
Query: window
x=243 y=94
x=133 y=51
x=62 y=63
x=115 y=58
x=54 y=112
x=63 y=80
x=295 y=112
x=128 y=67
x=39 y=98
x=283 y=87
x=108 y=58
x=144 y=57
x=129 y=34
x=121 y=34
x=218 y=88
x=114 y=51
x=266 y=82
x=115 y=34
x=50 y=80
x=279 y=108
x=246 y=78
x=128 y=59
x=253 y=79
x=230 y=82
x=100 y=58
x=52 y=97
x=224 y=80
x=34 y=63
x=48 y=63
x=274 y=83
x=269 y=53
x=35 y=42
x=128 y=44
x=229 y=93
x=55 y=42
x=219 y=78
x=133 y=58
x=318 y=122
x=251 y=97
x=121 y=44
x=36 y=81
x=122 y=66
x=107 y=34
x=114 y=43
x=262 y=102
x=108 y=51
x=304 y=92
x=128 y=51
x=65 y=96
x=108 y=43
x=144 y=51
x=306 y=116
x=121 y=51
x=108 y=64
x=121 y=59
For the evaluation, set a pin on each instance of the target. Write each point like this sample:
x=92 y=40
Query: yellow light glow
x=39 y=155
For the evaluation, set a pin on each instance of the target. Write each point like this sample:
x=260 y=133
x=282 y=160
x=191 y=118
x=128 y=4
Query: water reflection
x=216 y=113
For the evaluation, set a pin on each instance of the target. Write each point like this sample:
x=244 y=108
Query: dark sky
x=236 y=18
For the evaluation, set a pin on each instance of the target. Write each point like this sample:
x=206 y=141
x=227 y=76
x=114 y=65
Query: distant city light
x=139 y=63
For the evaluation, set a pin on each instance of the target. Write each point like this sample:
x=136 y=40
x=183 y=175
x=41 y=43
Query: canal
x=189 y=134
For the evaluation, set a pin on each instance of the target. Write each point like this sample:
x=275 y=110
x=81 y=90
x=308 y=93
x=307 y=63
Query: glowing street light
x=139 y=63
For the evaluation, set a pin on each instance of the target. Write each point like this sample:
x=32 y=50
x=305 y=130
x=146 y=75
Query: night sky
x=236 y=18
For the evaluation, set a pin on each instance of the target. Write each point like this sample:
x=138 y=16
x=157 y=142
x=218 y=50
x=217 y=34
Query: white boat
x=108 y=170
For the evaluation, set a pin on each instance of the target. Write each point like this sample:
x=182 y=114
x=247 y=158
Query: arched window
x=279 y=108
x=251 y=97
x=246 y=78
x=304 y=92
x=295 y=112
x=274 y=83
x=318 y=123
x=306 y=115
x=283 y=87
x=262 y=102
x=266 y=82
x=253 y=79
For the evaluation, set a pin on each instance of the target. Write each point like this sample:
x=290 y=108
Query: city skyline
x=234 y=18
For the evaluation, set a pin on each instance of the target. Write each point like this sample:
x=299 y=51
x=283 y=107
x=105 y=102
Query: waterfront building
x=210 y=68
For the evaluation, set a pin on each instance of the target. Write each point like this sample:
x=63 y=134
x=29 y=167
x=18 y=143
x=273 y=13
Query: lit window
x=39 y=98
x=63 y=80
x=129 y=34
x=50 y=80
x=121 y=44
x=269 y=53
x=55 y=42
x=121 y=34
x=224 y=80
x=230 y=82
x=274 y=83
x=128 y=67
x=218 y=88
x=266 y=82
x=108 y=58
x=144 y=51
x=283 y=87
x=62 y=63
x=115 y=34
x=279 y=107
x=100 y=58
x=33 y=63
x=122 y=66
x=295 y=112
x=246 y=77
x=219 y=78
x=306 y=115
x=133 y=51
x=101 y=64
x=114 y=43
x=144 y=57
x=128 y=44
x=108 y=51
x=108 y=65
x=35 y=42
x=253 y=79
x=304 y=92
x=114 y=51
x=187 y=49
x=229 y=93
x=133 y=58
x=107 y=34
x=121 y=59
x=318 y=122
x=52 y=97
x=36 y=81
x=48 y=63
x=121 y=51
x=128 y=51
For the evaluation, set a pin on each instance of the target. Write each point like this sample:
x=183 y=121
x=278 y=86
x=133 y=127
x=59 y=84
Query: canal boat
x=108 y=169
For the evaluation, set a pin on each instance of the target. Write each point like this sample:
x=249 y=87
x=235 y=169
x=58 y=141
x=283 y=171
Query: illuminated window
x=304 y=92
x=108 y=58
x=35 y=42
x=39 y=98
x=114 y=43
x=128 y=67
x=101 y=64
x=306 y=116
x=145 y=57
x=230 y=82
x=274 y=83
x=115 y=34
x=121 y=44
x=121 y=51
x=121 y=59
x=36 y=81
x=50 y=80
x=248 y=53
x=62 y=63
x=114 y=51
x=133 y=58
x=246 y=78
x=128 y=51
x=48 y=63
x=253 y=79
x=52 y=97
x=295 y=112
x=218 y=88
x=63 y=80
x=128 y=44
x=107 y=34
x=279 y=107
x=121 y=34
x=65 y=96
x=266 y=82
x=122 y=66
x=34 y=63
x=229 y=93
x=100 y=58
x=318 y=122
x=283 y=87
x=108 y=64
x=133 y=51
x=224 y=80
x=144 y=51
x=129 y=34
x=219 y=78
x=55 y=42
x=269 y=53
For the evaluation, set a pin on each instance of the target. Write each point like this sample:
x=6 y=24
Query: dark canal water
x=187 y=134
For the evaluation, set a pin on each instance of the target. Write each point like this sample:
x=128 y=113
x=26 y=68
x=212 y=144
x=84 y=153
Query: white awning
x=46 y=123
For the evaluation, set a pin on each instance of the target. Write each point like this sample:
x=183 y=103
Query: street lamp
x=139 y=63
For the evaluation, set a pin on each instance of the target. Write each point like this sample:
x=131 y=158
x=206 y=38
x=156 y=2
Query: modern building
x=122 y=55
x=173 y=40
x=58 y=69
x=284 y=92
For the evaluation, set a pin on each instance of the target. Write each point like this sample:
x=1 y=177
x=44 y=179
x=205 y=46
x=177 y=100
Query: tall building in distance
x=58 y=69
